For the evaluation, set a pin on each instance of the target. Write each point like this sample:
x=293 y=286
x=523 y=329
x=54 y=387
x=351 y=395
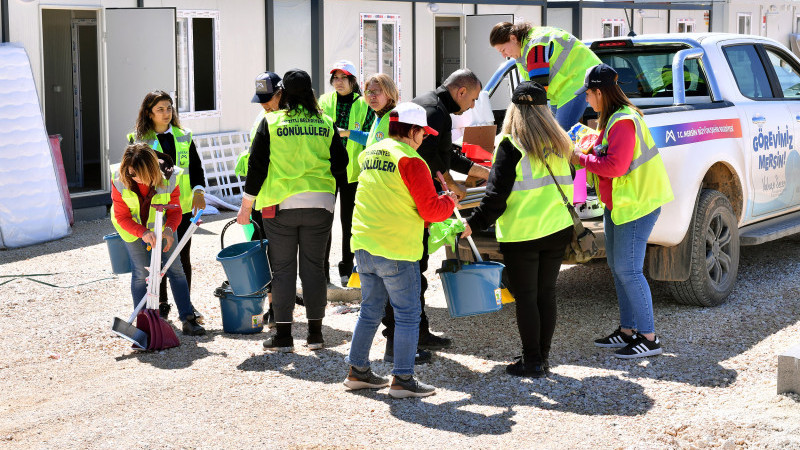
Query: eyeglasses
x=373 y=93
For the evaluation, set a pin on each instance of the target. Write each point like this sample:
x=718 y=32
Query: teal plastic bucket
x=120 y=260
x=473 y=288
x=241 y=314
x=246 y=266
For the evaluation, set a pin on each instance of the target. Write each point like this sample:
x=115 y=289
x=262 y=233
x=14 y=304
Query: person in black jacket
x=296 y=158
x=456 y=95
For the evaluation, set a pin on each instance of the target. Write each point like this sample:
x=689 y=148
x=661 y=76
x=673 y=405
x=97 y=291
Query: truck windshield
x=645 y=74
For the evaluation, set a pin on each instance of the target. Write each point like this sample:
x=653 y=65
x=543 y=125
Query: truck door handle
x=759 y=120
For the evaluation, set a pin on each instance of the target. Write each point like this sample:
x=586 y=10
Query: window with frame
x=748 y=70
x=380 y=45
x=786 y=71
x=743 y=24
x=198 y=63
x=612 y=28
x=685 y=26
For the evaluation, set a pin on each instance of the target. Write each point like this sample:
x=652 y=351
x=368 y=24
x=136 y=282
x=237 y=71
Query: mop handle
x=138 y=308
x=186 y=236
x=458 y=216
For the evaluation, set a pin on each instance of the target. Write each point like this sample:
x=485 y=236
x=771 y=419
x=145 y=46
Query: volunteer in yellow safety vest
x=348 y=110
x=633 y=184
x=295 y=159
x=395 y=198
x=268 y=95
x=136 y=184
x=382 y=96
x=551 y=57
x=158 y=126
x=533 y=225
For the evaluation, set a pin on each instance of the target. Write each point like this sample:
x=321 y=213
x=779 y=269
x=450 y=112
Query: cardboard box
x=481 y=135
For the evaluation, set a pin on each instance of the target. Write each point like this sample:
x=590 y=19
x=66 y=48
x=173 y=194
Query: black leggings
x=347 y=202
x=186 y=220
x=533 y=268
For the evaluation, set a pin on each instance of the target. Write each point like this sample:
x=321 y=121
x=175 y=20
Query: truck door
x=140 y=57
x=767 y=129
x=482 y=58
x=786 y=69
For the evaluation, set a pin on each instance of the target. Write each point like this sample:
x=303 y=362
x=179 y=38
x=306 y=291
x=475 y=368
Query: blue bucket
x=246 y=264
x=120 y=260
x=472 y=288
x=241 y=314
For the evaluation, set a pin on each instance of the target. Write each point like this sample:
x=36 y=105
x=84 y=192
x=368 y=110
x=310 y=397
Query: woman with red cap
x=394 y=200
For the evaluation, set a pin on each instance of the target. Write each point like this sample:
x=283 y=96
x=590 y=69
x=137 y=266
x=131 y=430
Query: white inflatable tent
x=31 y=205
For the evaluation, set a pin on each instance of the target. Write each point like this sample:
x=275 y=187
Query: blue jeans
x=571 y=112
x=140 y=259
x=625 y=248
x=400 y=282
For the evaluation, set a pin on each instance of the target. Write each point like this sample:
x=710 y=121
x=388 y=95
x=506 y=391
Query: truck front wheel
x=715 y=253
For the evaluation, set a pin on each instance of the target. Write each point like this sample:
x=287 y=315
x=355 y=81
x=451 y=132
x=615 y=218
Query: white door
x=140 y=57
x=482 y=59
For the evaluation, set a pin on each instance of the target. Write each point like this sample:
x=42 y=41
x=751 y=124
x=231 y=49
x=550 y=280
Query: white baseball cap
x=345 y=66
x=412 y=114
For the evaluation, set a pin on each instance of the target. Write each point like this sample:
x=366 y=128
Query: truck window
x=787 y=72
x=749 y=72
x=649 y=74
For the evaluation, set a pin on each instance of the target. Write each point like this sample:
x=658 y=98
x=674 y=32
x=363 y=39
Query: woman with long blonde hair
x=533 y=226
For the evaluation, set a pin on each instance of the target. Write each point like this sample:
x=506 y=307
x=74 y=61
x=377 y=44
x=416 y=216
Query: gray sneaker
x=364 y=380
x=410 y=388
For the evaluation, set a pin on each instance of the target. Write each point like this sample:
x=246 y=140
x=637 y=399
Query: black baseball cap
x=296 y=81
x=529 y=93
x=266 y=85
x=601 y=75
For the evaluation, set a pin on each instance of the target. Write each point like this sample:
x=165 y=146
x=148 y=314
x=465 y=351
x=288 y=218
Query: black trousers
x=533 y=268
x=424 y=326
x=298 y=234
x=186 y=220
x=347 y=202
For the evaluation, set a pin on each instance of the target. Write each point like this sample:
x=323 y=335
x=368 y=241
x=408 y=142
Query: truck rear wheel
x=715 y=253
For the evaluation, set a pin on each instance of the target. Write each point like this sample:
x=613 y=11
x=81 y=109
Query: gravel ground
x=67 y=381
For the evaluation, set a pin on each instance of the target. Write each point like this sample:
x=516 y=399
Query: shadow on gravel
x=697 y=341
x=179 y=357
x=325 y=365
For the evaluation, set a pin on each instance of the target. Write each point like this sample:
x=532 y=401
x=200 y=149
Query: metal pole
x=4 y=13
x=140 y=3
x=413 y=49
x=317 y=46
x=269 y=25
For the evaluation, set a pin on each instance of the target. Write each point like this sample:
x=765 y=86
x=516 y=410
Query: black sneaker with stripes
x=617 y=339
x=639 y=348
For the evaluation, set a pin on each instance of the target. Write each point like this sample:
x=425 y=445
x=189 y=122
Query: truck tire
x=715 y=253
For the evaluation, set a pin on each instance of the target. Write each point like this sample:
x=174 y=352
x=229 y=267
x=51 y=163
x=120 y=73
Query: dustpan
x=151 y=331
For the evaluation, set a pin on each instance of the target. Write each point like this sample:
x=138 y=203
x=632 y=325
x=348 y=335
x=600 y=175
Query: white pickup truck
x=724 y=110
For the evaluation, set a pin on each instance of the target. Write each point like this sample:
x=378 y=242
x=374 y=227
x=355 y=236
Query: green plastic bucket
x=120 y=260
x=472 y=288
